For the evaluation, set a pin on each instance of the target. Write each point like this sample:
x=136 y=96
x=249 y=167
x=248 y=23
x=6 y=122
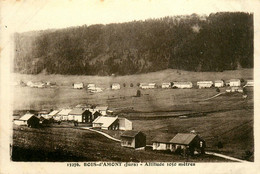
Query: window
x=167 y=146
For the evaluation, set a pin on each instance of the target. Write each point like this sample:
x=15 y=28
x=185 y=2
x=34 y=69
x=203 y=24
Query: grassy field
x=64 y=143
x=227 y=119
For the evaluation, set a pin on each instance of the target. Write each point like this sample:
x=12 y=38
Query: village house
x=78 y=85
x=133 y=139
x=63 y=114
x=106 y=123
x=53 y=114
x=44 y=114
x=187 y=142
x=166 y=85
x=125 y=124
x=234 y=82
x=95 y=113
x=115 y=86
x=219 y=83
x=91 y=86
x=235 y=89
x=102 y=109
x=204 y=84
x=95 y=90
x=29 y=120
x=147 y=85
x=182 y=85
x=250 y=83
x=162 y=142
x=80 y=115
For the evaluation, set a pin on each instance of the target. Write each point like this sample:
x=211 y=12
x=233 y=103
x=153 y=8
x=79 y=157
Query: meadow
x=227 y=119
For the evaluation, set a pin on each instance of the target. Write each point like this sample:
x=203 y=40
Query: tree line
x=217 y=42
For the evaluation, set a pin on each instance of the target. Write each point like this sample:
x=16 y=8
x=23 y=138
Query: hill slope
x=221 y=41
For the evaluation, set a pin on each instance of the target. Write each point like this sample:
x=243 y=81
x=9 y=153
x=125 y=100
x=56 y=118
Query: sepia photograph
x=135 y=83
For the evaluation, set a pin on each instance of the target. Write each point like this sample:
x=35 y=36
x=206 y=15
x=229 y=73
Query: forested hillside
x=220 y=41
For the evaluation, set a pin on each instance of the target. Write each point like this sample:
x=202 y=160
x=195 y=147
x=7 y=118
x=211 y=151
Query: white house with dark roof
x=81 y=115
x=133 y=139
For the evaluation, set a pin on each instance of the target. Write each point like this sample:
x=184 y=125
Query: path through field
x=102 y=133
x=226 y=157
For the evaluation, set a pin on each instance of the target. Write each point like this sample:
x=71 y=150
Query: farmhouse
x=53 y=114
x=234 y=82
x=162 y=142
x=78 y=85
x=219 y=83
x=147 y=85
x=204 y=84
x=95 y=90
x=29 y=120
x=91 y=86
x=115 y=86
x=63 y=114
x=106 y=123
x=133 y=139
x=235 y=89
x=250 y=83
x=182 y=85
x=187 y=141
x=95 y=113
x=125 y=124
x=80 y=115
x=166 y=85
x=102 y=109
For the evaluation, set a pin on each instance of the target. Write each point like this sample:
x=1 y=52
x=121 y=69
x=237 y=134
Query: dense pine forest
x=217 y=42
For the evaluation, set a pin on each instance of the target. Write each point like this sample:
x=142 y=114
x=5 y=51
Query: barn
x=182 y=85
x=29 y=120
x=187 y=142
x=204 y=84
x=80 y=115
x=106 y=123
x=133 y=139
x=115 y=86
x=219 y=83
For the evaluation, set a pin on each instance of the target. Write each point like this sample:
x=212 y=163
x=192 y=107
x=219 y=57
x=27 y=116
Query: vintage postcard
x=137 y=85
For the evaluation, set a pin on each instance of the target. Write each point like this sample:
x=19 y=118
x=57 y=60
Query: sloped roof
x=234 y=80
x=54 y=112
x=105 y=121
x=163 y=138
x=183 y=138
x=130 y=133
x=77 y=111
x=26 y=117
x=102 y=108
x=64 y=112
x=219 y=81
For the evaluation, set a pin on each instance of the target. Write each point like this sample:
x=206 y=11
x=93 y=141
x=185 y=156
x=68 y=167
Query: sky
x=27 y=15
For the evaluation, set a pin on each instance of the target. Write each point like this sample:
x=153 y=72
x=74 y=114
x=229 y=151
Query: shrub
x=124 y=84
x=220 y=145
x=217 y=90
x=138 y=84
x=131 y=85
